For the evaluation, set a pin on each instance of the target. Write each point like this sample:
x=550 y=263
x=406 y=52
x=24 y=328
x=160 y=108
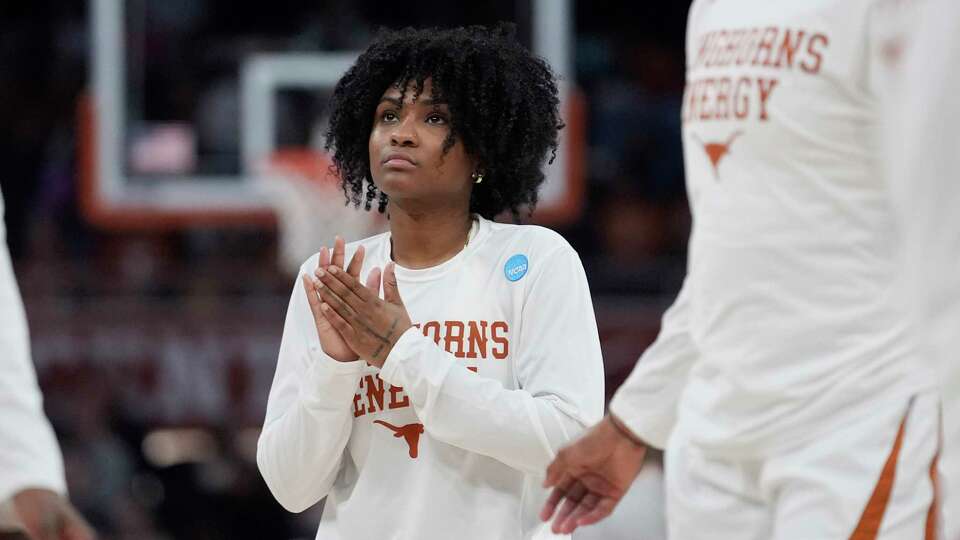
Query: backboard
x=186 y=112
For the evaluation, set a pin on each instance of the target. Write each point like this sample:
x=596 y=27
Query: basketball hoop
x=305 y=193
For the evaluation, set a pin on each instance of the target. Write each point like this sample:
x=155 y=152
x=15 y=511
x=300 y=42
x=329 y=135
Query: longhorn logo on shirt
x=716 y=151
x=410 y=433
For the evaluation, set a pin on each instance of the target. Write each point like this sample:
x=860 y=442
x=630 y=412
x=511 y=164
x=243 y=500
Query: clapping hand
x=368 y=325
x=331 y=341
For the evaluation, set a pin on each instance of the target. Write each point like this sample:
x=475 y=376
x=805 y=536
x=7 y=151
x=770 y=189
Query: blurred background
x=153 y=229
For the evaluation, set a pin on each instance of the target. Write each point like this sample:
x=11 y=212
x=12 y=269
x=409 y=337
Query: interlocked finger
x=333 y=284
x=335 y=301
x=352 y=283
x=356 y=262
x=338 y=322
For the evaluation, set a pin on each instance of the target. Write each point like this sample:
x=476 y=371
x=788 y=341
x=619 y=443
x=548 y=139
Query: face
x=407 y=160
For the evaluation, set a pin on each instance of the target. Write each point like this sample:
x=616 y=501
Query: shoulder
x=534 y=238
x=532 y=250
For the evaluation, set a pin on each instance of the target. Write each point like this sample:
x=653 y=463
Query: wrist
x=624 y=431
x=379 y=357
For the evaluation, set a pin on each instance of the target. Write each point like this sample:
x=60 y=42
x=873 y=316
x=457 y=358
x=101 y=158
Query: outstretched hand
x=369 y=326
x=590 y=476
x=47 y=515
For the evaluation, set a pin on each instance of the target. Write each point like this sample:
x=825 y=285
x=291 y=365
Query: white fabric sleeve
x=309 y=412
x=29 y=454
x=923 y=149
x=559 y=371
x=647 y=401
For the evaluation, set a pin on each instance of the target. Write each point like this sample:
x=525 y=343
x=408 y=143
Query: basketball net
x=310 y=206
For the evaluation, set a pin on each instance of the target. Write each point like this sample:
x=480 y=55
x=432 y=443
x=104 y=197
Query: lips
x=398 y=160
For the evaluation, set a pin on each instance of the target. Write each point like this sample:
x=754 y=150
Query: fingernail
x=317 y=283
x=333 y=269
x=319 y=272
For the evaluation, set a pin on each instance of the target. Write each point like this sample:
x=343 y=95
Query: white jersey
x=789 y=320
x=920 y=52
x=452 y=436
x=29 y=455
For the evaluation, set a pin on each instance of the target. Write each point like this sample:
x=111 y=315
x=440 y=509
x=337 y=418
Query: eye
x=388 y=116
x=436 y=118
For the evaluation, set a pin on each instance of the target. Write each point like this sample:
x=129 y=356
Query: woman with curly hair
x=432 y=410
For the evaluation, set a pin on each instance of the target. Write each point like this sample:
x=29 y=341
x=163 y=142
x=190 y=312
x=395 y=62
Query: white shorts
x=873 y=480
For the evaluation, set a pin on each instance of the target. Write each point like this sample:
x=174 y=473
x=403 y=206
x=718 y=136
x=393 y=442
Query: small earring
x=477 y=178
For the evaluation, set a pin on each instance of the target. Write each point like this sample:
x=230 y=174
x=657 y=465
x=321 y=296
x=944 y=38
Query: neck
x=425 y=238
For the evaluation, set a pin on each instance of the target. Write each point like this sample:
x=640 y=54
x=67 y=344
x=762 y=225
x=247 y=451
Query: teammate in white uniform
x=785 y=383
x=923 y=149
x=32 y=485
x=432 y=413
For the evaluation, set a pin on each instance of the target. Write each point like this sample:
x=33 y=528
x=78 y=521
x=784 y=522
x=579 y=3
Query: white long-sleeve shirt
x=920 y=51
x=29 y=455
x=452 y=436
x=790 y=322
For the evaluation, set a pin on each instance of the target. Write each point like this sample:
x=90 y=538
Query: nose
x=405 y=133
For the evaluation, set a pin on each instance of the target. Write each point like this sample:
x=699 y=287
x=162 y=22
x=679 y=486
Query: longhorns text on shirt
x=480 y=340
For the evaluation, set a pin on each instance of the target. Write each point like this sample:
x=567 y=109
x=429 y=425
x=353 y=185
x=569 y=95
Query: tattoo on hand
x=385 y=340
x=393 y=327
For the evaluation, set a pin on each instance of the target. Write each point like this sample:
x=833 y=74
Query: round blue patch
x=516 y=267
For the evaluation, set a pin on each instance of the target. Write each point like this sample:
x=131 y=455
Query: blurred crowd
x=155 y=349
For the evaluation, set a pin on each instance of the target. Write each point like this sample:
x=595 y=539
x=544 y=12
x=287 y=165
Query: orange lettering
x=359 y=409
x=750 y=42
x=741 y=98
x=504 y=350
x=374 y=393
x=719 y=49
x=454 y=338
x=705 y=113
x=705 y=43
x=817 y=55
x=394 y=402
x=766 y=44
x=723 y=99
x=477 y=339
x=766 y=88
x=435 y=326
x=788 y=48
x=733 y=43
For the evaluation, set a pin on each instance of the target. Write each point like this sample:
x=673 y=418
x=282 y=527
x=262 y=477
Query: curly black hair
x=503 y=103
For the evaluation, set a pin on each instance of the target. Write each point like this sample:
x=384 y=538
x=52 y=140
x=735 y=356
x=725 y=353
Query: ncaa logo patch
x=516 y=267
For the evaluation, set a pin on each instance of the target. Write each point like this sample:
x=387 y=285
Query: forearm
x=478 y=414
x=302 y=443
x=646 y=403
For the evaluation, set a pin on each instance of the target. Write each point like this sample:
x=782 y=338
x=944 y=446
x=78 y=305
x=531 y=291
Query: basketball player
x=785 y=383
x=32 y=485
x=432 y=412
x=923 y=148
